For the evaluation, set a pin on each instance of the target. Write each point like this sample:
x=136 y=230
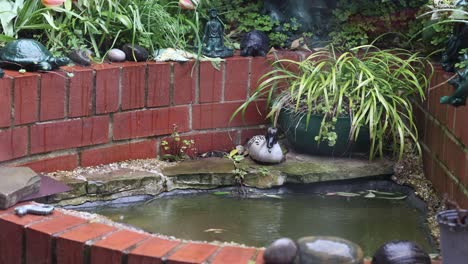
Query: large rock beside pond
x=216 y=172
x=16 y=183
x=111 y=185
x=323 y=249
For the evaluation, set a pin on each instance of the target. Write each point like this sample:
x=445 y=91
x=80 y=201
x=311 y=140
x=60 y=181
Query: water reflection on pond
x=259 y=221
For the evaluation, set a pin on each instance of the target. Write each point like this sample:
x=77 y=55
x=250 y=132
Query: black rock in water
x=400 y=252
x=254 y=43
x=281 y=251
x=135 y=52
x=81 y=56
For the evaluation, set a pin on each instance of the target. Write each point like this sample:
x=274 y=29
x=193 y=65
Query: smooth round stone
x=135 y=52
x=281 y=251
x=81 y=56
x=400 y=252
x=333 y=250
x=116 y=55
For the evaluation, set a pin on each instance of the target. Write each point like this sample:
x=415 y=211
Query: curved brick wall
x=444 y=138
x=112 y=112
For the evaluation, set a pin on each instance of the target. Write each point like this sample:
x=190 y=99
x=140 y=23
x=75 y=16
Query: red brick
x=53 y=89
x=234 y=255
x=217 y=115
x=110 y=249
x=133 y=86
x=12 y=236
x=151 y=251
x=438 y=110
x=185 y=79
x=211 y=82
x=259 y=66
x=259 y=259
x=107 y=88
x=150 y=122
x=39 y=237
x=105 y=155
x=13 y=143
x=192 y=253
x=439 y=179
x=5 y=101
x=69 y=134
x=454 y=158
x=70 y=246
x=420 y=119
x=237 y=78
x=428 y=165
x=159 y=84
x=66 y=162
x=435 y=138
x=461 y=129
x=461 y=197
x=81 y=93
x=26 y=99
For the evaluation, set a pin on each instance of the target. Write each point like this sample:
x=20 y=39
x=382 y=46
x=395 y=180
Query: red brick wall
x=444 y=137
x=113 y=112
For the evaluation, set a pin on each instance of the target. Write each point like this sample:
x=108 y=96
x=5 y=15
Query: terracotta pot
x=52 y=3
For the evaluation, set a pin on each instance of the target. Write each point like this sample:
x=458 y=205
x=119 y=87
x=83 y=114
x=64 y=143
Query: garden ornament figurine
x=213 y=39
x=460 y=83
x=457 y=41
x=30 y=55
x=254 y=43
x=266 y=149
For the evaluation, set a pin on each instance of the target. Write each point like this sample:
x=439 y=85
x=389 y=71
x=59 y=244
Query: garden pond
x=256 y=218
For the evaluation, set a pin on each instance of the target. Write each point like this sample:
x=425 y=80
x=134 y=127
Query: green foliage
x=99 y=24
x=370 y=85
x=176 y=148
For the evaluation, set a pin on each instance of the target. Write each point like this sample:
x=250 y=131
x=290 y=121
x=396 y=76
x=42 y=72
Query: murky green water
x=257 y=222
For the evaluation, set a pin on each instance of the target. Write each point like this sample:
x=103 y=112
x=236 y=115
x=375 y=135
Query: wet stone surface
x=154 y=177
x=316 y=250
x=17 y=183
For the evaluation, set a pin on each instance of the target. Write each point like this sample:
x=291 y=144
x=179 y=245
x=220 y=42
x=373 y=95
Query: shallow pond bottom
x=261 y=218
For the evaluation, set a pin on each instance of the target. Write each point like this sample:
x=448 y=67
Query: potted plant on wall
x=331 y=103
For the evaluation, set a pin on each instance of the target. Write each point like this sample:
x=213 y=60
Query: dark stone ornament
x=135 y=52
x=400 y=252
x=457 y=41
x=323 y=249
x=281 y=251
x=254 y=43
x=30 y=55
x=81 y=56
x=460 y=83
x=213 y=39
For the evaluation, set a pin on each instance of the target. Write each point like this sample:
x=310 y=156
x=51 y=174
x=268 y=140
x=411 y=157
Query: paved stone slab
x=16 y=183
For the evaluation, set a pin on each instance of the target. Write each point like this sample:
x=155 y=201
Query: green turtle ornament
x=30 y=55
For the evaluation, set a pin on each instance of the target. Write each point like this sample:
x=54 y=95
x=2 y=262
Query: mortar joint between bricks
x=93 y=94
x=119 y=108
x=223 y=80
x=12 y=102
x=249 y=78
x=145 y=100
x=67 y=97
x=171 y=84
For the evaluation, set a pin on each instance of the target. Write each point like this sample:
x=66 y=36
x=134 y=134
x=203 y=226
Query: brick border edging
x=444 y=140
x=113 y=112
x=64 y=237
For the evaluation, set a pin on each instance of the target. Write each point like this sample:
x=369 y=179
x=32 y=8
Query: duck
x=265 y=149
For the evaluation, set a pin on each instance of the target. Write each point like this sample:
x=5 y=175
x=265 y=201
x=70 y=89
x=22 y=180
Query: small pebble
x=116 y=55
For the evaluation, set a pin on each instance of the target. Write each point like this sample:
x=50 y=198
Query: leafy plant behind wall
x=371 y=86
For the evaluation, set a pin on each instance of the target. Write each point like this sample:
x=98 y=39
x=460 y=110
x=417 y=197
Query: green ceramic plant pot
x=303 y=140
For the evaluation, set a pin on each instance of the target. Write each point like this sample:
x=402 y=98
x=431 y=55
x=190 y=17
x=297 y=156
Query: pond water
x=260 y=220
